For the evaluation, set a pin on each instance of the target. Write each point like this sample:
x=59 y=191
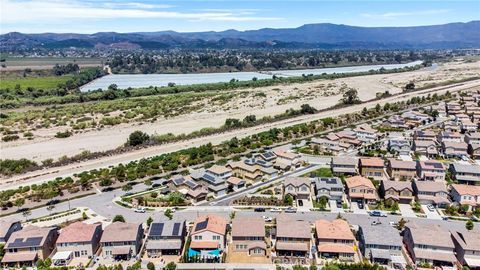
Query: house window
x=197 y=237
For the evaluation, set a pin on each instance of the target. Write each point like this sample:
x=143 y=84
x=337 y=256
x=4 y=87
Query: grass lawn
x=36 y=82
x=322 y=172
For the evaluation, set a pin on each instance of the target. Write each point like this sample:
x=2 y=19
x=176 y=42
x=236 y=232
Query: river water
x=146 y=80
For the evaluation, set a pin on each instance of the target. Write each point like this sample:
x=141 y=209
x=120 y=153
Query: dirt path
x=49 y=174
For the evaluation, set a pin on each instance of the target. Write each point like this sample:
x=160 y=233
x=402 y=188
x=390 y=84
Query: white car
x=431 y=207
x=267 y=219
x=376 y=222
x=276 y=210
x=139 y=210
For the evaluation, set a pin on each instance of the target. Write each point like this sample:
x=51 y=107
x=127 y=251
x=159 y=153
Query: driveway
x=356 y=210
x=431 y=214
x=334 y=208
x=406 y=210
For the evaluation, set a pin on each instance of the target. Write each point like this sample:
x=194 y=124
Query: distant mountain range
x=323 y=35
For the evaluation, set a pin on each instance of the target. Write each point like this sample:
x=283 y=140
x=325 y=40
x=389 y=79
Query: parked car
x=107 y=189
x=444 y=218
x=259 y=209
x=300 y=203
x=376 y=213
x=156 y=185
x=474 y=218
x=393 y=224
x=291 y=210
x=267 y=219
x=52 y=202
x=431 y=207
x=360 y=205
x=139 y=210
x=276 y=209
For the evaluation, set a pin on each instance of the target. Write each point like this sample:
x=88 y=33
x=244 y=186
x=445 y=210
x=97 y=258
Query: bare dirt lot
x=266 y=101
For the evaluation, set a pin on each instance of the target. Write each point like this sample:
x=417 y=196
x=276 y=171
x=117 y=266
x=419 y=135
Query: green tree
x=288 y=199
x=19 y=202
x=118 y=218
x=137 y=138
x=84 y=216
x=350 y=97
x=469 y=225
x=150 y=266
x=171 y=266
x=168 y=213
x=395 y=207
x=232 y=214
x=149 y=221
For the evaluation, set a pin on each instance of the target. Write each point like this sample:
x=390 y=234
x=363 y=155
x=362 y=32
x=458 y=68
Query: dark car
x=107 y=189
x=300 y=203
x=21 y=210
x=259 y=209
x=52 y=202
x=156 y=185
x=360 y=205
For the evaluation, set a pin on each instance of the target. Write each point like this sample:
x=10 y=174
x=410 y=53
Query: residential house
x=287 y=160
x=454 y=149
x=236 y=183
x=474 y=150
x=248 y=236
x=326 y=145
x=334 y=239
x=344 y=165
x=166 y=238
x=267 y=156
x=331 y=188
x=7 y=228
x=400 y=146
x=466 y=195
x=80 y=239
x=472 y=138
x=208 y=237
x=468 y=125
x=297 y=187
x=198 y=194
x=214 y=178
x=121 y=240
x=293 y=237
x=431 y=170
x=467 y=248
x=429 y=192
x=397 y=191
x=430 y=244
x=252 y=169
x=361 y=189
x=182 y=183
x=425 y=147
x=396 y=121
x=465 y=173
x=446 y=136
x=453 y=108
x=451 y=126
x=400 y=170
x=424 y=135
x=372 y=168
x=26 y=246
x=381 y=244
x=365 y=133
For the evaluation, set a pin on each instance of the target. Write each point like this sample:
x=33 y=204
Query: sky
x=91 y=16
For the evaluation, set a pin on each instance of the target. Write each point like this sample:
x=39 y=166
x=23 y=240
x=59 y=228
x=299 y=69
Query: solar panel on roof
x=176 y=228
x=201 y=225
x=209 y=178
x=29 y=242
x=178 y=181
x=157 y=229
x=268 y=154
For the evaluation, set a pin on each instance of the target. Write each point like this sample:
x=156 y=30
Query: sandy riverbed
x=276 y=100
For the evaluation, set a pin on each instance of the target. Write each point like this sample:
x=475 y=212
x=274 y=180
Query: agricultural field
x=48 y=82
x=18 y=63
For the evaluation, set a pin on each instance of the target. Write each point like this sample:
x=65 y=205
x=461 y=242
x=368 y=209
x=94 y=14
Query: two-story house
x=208 y=236
x=465 y=173
x=454 y=149
x=344 y=165
x=165 y=238
x=431 y=170
x=372 y=168
x=425 y=147
x=293 y=237
x=400 y=146
x=297 y=187
x=7 y=228
x=365 y=133
x=26 y=246
x=248 y=236
x=121 y=241
x=287 y=160
x=381 y=244
x=361 y=189
x=424 y=135
x=466 y=195
x=467 y=248
x=400 y=170
x=446 y=136
x=397 y=191
x=81 y=239
x=334 y=239
x=331 y=188
x=429 y=244
x=429 y=192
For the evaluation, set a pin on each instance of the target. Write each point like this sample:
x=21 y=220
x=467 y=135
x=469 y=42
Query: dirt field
x=271 y=101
